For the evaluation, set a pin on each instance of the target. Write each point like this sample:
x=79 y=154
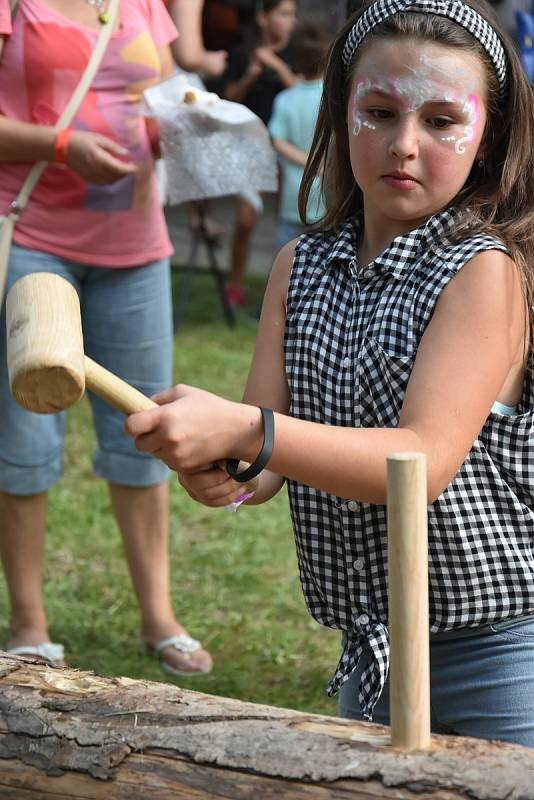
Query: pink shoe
x=234 y=296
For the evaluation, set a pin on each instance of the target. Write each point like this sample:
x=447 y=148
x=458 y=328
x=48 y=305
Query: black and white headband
x=460 y=12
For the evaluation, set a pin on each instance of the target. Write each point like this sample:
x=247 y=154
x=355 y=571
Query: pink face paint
x=472 y=109
x=362 y=87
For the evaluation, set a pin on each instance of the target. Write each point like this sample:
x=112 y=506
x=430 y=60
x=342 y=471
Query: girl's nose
x=405 y=140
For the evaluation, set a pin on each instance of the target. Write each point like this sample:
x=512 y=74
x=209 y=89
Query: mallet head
x=44 y=343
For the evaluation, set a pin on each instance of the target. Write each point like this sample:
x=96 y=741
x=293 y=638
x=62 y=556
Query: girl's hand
x=96 y=158
x=211 y=485
x=192 y=428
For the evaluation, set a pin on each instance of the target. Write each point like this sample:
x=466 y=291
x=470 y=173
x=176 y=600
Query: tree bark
x=70 y=734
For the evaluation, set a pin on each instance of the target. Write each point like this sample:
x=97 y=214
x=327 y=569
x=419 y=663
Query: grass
x=234 y=576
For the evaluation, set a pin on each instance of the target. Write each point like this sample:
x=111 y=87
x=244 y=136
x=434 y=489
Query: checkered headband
x=460 y=12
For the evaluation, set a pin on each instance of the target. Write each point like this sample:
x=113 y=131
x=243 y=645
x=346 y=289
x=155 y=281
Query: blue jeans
x=127 y=327
x=482 y=683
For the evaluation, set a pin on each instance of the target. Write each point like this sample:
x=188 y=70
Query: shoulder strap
x=72 y=106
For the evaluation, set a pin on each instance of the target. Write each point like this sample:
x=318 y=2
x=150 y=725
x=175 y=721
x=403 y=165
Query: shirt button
x=352 y=505
x=358 y=564
x=363 y=619
x=346 y=362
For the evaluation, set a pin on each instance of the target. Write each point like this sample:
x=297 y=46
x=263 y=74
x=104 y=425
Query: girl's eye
x=441 y=122
x=380 y=113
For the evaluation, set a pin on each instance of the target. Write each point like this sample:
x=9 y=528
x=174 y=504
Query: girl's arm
x=472 y=346
x=188 y=49
x=266 y=385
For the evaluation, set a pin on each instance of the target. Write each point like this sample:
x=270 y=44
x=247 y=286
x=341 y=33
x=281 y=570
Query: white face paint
x=429 y=83
x=471 y=108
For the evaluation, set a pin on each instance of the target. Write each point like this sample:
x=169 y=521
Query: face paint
x=412 y=91
x=361 y=89
x=470 y=108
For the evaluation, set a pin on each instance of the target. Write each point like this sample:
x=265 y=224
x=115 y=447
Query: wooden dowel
x=408 y=601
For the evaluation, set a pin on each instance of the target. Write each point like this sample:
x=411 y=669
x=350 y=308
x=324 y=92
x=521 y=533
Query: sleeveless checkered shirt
x=350 y=345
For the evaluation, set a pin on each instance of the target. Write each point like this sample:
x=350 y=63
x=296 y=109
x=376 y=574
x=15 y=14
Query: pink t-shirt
x=118 y=225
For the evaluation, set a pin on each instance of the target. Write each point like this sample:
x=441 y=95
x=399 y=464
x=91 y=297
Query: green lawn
x=234 y=576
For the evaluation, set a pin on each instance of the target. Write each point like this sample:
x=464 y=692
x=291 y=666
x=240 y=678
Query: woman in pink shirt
x=95 y=219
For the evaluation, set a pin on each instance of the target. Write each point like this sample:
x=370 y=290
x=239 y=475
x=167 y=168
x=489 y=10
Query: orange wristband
x=60 y=145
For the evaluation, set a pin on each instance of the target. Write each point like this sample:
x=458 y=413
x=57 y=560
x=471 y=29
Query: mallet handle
x=125 y=398
x=115 y=391
x=408 y=601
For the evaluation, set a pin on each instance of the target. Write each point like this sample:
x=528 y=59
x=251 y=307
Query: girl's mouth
x=400 y=180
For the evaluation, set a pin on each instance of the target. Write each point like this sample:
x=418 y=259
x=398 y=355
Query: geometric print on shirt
x=350 y=345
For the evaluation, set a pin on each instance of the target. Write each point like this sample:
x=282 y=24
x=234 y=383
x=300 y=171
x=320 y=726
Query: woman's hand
x=192 y=428
x=211 y=485
x=213 y=63
x=96 y=158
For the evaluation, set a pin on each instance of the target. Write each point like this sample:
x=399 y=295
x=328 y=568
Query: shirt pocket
x=383 y=377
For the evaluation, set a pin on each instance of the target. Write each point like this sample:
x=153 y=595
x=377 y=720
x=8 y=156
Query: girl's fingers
x=207 y=480
x=169 y=395
x=216 y=496
x=143 y=422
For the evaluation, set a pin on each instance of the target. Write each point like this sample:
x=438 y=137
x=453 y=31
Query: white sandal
x=186 y=645
x=51 y=652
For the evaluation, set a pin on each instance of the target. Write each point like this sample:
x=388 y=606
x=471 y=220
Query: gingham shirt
x=350 y=345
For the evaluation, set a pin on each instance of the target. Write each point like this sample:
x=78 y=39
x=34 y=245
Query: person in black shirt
x=257 y=71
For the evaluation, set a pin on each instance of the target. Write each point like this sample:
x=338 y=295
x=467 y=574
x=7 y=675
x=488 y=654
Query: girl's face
x=278 y=24
x=416 y=117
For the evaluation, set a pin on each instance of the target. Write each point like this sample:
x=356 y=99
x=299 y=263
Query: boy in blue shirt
x=292 y=125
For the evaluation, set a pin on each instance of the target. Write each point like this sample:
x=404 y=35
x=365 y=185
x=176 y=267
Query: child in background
x=257 y=71
x=291 y=127
x=404 y=324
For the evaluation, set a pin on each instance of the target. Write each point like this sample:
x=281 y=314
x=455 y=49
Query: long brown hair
x=498 y=197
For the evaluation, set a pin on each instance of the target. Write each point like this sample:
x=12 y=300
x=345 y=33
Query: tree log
x=71 y=734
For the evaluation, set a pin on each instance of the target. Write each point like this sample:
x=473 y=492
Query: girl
x=404 y=323
x=256 y=73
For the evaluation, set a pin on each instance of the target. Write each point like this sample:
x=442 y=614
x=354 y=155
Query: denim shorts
x=127 y=328
x=482 y=683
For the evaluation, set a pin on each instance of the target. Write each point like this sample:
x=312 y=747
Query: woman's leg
x=23 y=523
x=31 y=447
x=128 y=329
x=143 y=518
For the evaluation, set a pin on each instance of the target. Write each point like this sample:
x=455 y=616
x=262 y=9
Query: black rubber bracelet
x=264 y=455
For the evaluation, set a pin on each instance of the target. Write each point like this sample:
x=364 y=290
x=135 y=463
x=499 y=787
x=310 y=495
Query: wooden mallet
x=48 y=370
